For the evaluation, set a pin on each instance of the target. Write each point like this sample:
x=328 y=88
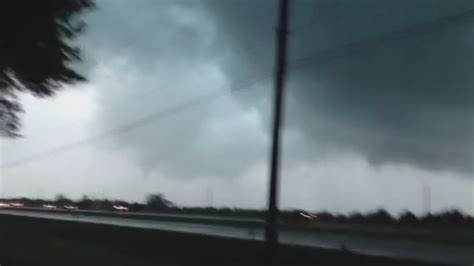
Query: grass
x=32 y=241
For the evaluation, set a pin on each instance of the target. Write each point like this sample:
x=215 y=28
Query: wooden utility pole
x=271 y=230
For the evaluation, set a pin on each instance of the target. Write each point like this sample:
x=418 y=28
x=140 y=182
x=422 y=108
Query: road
x=365 y=245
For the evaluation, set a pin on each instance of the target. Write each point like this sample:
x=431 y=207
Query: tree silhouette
x=85 y=202
x=379 y=216
x=408 y=218
x=61 y=200
x=36 y=51
x=157 y=202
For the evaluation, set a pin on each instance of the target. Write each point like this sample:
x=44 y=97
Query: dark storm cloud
x=149 y=56
x=356 y=82
x=366 y=110
x=390 y=80
x=407 y=100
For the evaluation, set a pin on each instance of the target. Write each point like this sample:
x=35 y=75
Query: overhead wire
x=398 y=34
x=437 y=24
x=248 y=51
x=133 y=125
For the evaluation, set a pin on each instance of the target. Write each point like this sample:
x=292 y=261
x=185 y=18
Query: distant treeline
x=158 y=203
x=448 y=218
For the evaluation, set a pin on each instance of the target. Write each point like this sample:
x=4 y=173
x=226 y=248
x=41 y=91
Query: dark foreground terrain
x=32 y=241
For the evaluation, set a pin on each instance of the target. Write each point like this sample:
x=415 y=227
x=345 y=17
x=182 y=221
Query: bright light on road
x=120 y=208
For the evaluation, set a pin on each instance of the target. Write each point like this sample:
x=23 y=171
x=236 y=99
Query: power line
x=436 y=25
x=403 y=33
x=250 y=50
x=136 y=124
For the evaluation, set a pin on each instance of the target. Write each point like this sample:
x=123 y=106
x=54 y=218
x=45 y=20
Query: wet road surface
x=426 y=252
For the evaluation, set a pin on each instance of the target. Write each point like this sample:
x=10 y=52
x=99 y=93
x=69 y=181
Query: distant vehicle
x=49 y=206
x=120 y=208
x=70 y=207
x=4 y=205
x=308 y=216
x=302 y=217
x=17 y=204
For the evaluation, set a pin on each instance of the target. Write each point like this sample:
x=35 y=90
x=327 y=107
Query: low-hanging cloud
x=168 y=56
x=387 y=81
x=373 y=102
x=390 y=80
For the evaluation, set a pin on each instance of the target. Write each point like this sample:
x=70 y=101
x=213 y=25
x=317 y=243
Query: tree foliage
x=157 y=202
x=36 y=51
x=61 y=199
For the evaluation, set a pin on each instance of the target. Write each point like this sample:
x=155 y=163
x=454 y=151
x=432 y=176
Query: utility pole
x=210 y=194
x=426 y=196
x=271 y=230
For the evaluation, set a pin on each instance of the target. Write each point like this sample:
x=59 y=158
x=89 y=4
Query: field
x=31 y=241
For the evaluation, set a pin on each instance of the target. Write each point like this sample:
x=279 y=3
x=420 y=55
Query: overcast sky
x=380 y=106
